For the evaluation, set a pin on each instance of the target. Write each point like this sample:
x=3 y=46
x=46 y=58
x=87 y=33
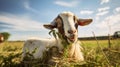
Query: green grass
x=93 y=43
x=10 y=54
x=100 y=54
x=102 y=43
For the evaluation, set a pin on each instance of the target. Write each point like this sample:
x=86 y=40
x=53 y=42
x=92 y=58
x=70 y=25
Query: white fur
x=41 y=45
x=69 y=24
x=75 y=52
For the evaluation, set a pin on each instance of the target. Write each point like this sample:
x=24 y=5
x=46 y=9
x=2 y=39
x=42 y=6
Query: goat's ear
x=49 y=26
x=53 y=24
x=83 y=22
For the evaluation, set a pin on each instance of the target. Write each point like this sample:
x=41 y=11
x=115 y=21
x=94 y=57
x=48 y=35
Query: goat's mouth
x=71 y=39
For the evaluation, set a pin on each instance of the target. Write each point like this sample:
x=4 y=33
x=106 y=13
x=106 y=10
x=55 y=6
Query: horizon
x=24 y=19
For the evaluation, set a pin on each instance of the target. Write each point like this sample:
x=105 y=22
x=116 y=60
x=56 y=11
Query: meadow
x=97 y=54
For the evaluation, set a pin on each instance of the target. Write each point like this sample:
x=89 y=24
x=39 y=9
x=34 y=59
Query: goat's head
x=67 y=24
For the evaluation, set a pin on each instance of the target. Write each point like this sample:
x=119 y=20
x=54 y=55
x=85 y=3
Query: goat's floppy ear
x=49 y=26
x=52 y=25
x=83 y=22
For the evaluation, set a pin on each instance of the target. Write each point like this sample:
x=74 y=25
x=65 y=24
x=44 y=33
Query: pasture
x=96 y=54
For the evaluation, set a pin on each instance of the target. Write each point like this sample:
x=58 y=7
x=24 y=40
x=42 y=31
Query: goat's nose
x=71 y=31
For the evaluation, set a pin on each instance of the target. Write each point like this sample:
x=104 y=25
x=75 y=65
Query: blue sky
x=24 y=18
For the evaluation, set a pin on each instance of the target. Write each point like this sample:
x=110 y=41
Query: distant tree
x=6 y=35
x=117 y=34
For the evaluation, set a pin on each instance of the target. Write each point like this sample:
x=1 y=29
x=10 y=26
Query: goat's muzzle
x=72 y=38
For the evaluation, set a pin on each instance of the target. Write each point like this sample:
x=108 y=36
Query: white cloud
x=110 y=20
x=110 y=24
x=19 y=23
x=87 y=12
x=24 y=36
x=102 y=13
x=66 y=4
x=103 y=9
x=27 y=6
x=113 y=19
x=117 y=9
x=104 y=1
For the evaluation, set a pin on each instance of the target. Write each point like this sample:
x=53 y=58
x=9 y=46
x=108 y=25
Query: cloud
x=110 y=20
x=103 y=9
x=27 y=6
x=66 y=4
x=117 y=9
x=24 y=36
x=87 y=12
x=104 y=1
x=107 y=25
x=19 y=23
x=102 y=13
x=113 y=19
x=110 y=24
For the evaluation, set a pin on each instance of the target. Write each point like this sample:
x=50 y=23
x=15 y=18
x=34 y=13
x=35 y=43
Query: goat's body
x=44 y=44
x=41 y=45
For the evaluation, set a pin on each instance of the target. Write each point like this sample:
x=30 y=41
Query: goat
x=67 y=25
x=1 y=38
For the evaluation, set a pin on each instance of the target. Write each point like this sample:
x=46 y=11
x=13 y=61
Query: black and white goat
x=67 y=25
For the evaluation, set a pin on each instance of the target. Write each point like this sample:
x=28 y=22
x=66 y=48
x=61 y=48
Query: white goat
x=67 y=24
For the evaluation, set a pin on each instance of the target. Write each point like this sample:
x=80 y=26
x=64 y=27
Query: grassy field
x=102 y=54
x=95 y=53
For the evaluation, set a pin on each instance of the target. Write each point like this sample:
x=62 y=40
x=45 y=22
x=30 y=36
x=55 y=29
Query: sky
x=24 y=19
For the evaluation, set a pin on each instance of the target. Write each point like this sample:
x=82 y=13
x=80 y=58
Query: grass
x=100 y=54
x=10 y=54
x=93 y=43
x=11 y=46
